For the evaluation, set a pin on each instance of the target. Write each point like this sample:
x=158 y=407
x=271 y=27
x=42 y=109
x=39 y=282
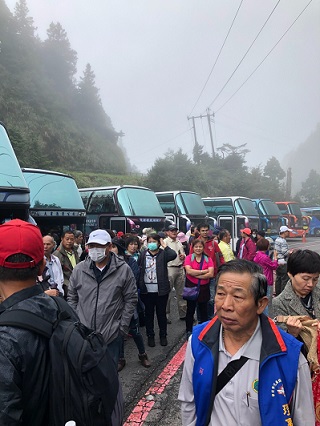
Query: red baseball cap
x=17 y=236
x=246 y=231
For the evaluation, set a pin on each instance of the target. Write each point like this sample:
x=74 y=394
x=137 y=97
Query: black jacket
x=24 y=366
x=163 y=257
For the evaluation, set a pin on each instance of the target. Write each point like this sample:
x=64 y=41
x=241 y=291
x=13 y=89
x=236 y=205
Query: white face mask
x=97 y=254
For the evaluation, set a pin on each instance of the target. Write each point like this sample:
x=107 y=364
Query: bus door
x=119 y=224
x=227 y=222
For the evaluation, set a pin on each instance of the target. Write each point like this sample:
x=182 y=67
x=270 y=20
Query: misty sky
x=152 y=58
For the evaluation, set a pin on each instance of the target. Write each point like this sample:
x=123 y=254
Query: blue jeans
x=114 y=348
x=136 y=335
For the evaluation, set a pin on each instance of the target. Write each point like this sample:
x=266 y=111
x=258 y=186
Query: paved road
x=151 y=394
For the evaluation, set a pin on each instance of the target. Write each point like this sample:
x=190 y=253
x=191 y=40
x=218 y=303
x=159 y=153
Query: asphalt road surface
x=151 y=393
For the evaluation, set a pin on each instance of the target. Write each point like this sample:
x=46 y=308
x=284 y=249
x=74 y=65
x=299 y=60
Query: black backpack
x=84 y=384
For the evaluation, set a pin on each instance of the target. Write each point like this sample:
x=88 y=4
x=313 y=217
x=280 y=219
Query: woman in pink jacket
x=267 y=265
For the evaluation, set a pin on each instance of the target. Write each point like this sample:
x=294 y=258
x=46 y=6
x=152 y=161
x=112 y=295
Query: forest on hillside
x=54 y=120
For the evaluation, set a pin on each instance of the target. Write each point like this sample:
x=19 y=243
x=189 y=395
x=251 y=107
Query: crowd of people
x=118 y=283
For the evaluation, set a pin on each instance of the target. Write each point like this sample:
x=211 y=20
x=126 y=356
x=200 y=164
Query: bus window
x=46 y=191
x=245 y=206
x=216 y=207
x=138 y=202
x=190 y=204
x=101 y=202
x=167 y=203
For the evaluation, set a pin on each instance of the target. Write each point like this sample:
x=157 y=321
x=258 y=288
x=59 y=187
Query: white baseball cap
x=284 y=229
x=99 y=236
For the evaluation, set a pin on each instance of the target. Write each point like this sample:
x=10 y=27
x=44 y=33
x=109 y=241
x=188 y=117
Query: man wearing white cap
x=282 y=249
x=103 y=291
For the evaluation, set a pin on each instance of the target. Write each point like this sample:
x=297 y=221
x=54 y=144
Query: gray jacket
x=106 y=307
x=288 y=303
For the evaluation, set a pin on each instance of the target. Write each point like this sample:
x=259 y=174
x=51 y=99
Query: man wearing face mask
x=103 y=291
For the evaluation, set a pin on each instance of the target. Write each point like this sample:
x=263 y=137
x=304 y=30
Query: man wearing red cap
x=24 y=372
x=247 y=248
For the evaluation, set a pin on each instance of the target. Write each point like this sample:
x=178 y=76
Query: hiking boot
x=163 y=341
x=121 y=364
x=144 y=360
x=151 y=342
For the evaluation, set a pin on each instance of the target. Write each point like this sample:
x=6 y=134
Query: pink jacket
x=267 y=264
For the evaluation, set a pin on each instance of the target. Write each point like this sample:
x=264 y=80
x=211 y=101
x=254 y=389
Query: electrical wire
x=215 y=62
x=165 y=143
x=258 y=66
x=248 y=50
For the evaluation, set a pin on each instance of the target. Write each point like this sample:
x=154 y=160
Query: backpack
x=83 y=381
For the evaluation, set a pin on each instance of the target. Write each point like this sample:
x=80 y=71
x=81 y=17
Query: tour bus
x=313 y=214
x=184 y=208
x=295 y=220
x=55 y=203
x=232 y=213
x=270 y=217
x=14 y=191
x=122 y=208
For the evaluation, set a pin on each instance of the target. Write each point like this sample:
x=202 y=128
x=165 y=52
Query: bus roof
x=11 y=176
x=176 y=192
x=48 y=172
x=101 y=188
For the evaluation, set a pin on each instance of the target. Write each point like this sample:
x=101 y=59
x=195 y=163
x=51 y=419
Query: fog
x=152 y=59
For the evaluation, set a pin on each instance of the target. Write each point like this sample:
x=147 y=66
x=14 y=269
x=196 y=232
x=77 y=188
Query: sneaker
x=163 y=341
x=144 y=360
x=151 y=342
x=121 y=364
x=188 y=334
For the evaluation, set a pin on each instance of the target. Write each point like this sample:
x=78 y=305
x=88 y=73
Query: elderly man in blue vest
x=240 y=368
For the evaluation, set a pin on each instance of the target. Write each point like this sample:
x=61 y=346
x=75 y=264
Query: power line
x=258 y=66
x=256 y=37
x=213 y=67
x=165 y=143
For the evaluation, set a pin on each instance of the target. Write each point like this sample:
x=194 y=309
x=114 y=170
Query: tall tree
x=273 y=170
x=310 y=189
x=60 y=59
x=24 y=23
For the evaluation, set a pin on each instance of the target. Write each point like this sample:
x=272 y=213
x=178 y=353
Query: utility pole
x=208 y=115
x=210 y=130
x=194 y=129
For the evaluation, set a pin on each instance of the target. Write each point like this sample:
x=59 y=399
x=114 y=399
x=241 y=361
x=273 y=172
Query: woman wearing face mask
x=154 y=285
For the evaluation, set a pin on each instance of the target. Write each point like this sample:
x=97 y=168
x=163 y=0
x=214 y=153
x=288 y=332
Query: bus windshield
x=294 y=209
x=216 y=207
x=245 y=206
x=139 y=202
x=10 y=173
x=52 y=191
x=190 y=204
x=269 y=208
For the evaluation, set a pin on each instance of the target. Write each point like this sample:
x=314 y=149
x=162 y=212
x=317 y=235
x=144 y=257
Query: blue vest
x=278 y=369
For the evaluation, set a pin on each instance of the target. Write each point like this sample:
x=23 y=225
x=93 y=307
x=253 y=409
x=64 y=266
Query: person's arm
x=130 y=298
x=169 y=254
x=218 y=253
x=186 y=396
x=196 y=272
x=302 y=407
x=252 y=249
x=272 y=264
x=73 y=297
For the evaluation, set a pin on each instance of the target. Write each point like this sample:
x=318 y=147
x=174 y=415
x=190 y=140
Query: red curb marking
x=144 y=406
